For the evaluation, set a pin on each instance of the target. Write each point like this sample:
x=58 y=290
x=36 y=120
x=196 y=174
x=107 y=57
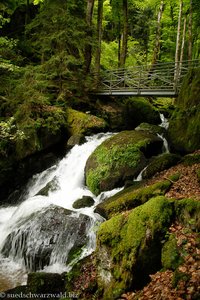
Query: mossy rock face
x=160 y=163
x=77 y=139
x=129 y=246
x=138 y=110
x=82 y=123
x=130 y=198
x=119 y=158
x=191 y=159
x=85 y=201
x=112 y=112
x=188 y=212
x=171 y=258
x=155 y=129
x=42 y=282
x=184 y=126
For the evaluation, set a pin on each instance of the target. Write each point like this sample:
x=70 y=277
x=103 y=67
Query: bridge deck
x=162 y=80
x=125 y=92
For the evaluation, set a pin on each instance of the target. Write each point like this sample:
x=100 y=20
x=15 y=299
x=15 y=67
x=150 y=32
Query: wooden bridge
x=162 y=80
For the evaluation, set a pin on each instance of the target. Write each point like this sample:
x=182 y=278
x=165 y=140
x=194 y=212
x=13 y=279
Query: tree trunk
x=88 y=46
x=99 y=37
x=156 y=52
x=190 y=33
x=176 y=70
x=124 y=35
x=183 y=44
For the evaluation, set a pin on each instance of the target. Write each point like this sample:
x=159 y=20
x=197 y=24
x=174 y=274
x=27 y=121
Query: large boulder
x=53 y=234
x=184 y=126
x=119 y=159
x=138 y=110
x=84 y=123
x=127 y=113
x=129 y=246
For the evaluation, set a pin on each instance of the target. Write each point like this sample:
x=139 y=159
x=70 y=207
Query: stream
x=26 y=220
x=48 y=226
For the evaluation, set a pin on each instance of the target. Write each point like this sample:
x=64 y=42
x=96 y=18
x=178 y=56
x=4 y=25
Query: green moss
x=179 y=276
x=79 y=122
x=130 y=198
x=155 y=129
x=188 y=212
x=142 y=111
x=198 y=175
x=160 y=163
x=184 y=126
x=171 y=258
x=191 y=159
x=130 y=240
x=118 y=158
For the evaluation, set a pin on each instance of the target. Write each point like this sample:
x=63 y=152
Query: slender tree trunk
x=99 y=37
x=190 y=33
x=156 y=52
x=88 y=46
x=183 y=44
x=119 y=43
x=176 y=70
x=125 y=34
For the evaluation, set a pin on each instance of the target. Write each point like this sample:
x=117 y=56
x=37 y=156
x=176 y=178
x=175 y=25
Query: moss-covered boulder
x=188 y=212
x=130 y=198
x=129 y=246
x=127 y=113
x=191 y=159
x=138 y=110
x=171 y=258
x=85 y=201
x=46 y=283
x=155 y=129
x=184 y=126
x=119 y=158
x=84 y=123
x=160 y=163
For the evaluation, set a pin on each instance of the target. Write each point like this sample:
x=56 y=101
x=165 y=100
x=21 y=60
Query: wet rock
x=49 y=187
x=85 y=201
x=76 y=139
x=46 y=236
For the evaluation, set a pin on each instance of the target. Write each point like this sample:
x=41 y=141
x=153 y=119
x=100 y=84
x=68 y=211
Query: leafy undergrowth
x=184 y=282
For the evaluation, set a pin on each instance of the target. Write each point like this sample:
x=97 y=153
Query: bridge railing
x=160 y=77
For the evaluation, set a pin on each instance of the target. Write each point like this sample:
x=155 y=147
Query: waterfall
x=26 y=229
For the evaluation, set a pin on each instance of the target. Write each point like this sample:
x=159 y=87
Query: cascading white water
x=165 y=125
x=68 y=177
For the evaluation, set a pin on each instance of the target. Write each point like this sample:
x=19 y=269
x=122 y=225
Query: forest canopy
x=49 y=48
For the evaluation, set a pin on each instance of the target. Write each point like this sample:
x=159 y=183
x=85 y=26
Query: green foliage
x=9 y=134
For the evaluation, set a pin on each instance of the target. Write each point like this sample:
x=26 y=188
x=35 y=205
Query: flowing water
x=26 y=219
